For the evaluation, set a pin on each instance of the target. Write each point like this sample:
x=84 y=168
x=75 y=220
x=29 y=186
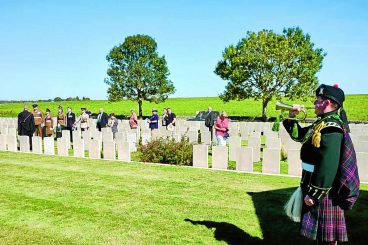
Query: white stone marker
x=49 y=146
x=244 y=132
x=95 y=149
x=274 y=143
x=200 y=156
x=219 y=157
x=37 y=144
x=11 y=142
x=271 y=161
x=107 y=136
x=206 y=137
x=362 y=166
x=294 y=162
x=109 y=150
x=2 y=142
x=24 y=143
x=12 y=131
x=146 y=138
x=78 y=148
x=255 y=143
x=244 y=159
x=63 y=146
x=123 y=149
x=86 y=135
x=193 y=136
x=66 y=134
x=234 y=143
x=361 y=146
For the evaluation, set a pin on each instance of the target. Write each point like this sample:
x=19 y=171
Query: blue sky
x=59 y=48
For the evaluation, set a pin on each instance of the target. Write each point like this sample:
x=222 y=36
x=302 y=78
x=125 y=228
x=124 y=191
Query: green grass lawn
x=356 y=107
x=65 y=200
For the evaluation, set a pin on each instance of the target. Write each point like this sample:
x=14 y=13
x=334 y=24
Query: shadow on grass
x=278 y=229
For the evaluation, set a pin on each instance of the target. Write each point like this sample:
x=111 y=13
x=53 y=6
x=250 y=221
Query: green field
x=64 y=200
x=356 y=107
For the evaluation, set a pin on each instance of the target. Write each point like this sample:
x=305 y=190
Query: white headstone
x=24 y=143
x=200 y=156
x=362 y=158
x=234 y=143
x=361 y=146
x=86 y=135
x=66 y=134
x=109 y=150
x=11 y=141
x=146 y=138
x=12 y=131
x=49 y=146
x=219 y=157
x=244 y=132
x=95 y=149
x=294 y=162
x=271 y=161
x=78 y=148
x=206 y=137
x=274 y=143
x=123 y=149
x=107 y=136
x=37 y=144
x=244 y=159
x=76 y=134
x=62 y=146
x=2 y=142
x=193 y=136
x=255 y=143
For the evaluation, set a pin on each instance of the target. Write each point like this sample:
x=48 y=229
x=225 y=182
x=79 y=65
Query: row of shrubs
x=167 y=150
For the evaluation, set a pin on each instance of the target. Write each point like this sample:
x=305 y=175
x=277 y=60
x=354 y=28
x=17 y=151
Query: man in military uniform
x=26 y=124
x=38 y=120
x=330 y=181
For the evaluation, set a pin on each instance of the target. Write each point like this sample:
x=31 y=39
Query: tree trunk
x=140 y=108
x=264 y=109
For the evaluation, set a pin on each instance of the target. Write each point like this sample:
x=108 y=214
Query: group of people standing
x=36 y=123
x=330 y=180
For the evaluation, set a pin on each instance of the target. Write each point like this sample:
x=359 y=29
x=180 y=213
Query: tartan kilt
x=324 y=221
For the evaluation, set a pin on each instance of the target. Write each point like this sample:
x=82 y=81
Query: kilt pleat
x=324 y=222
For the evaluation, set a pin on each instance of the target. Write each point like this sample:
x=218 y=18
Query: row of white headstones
x=126 y=140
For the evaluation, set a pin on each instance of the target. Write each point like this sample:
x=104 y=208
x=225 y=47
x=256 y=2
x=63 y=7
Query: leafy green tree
x=58 y=99
x=265 y=64
x=136 y=72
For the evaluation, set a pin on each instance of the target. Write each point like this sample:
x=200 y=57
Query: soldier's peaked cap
x=34 y=105
x=331 y=92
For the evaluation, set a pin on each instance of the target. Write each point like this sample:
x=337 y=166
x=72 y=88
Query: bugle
x=286 y=107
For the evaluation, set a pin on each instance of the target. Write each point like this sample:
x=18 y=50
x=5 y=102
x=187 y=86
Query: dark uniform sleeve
x=32 y=124
x=289 y=124
x=327 y=164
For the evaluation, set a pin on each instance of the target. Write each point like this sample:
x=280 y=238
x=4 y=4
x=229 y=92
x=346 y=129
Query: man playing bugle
x=330 y=181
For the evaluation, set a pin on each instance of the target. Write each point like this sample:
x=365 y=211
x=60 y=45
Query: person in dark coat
x=102 y=119
x=210 y=120
x=330 y=180
x=26 y=125
x=70 y=120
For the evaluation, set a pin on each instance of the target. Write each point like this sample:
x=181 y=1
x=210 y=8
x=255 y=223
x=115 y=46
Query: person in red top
x=221 y=129
x=133 y=120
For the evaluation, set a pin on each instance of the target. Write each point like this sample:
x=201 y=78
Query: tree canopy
x=136 y=72
x=264 y=65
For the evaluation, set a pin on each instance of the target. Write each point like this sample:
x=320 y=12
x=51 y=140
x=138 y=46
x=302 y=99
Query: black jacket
x=70 y=119
x=103 y=120
x=26 y=123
